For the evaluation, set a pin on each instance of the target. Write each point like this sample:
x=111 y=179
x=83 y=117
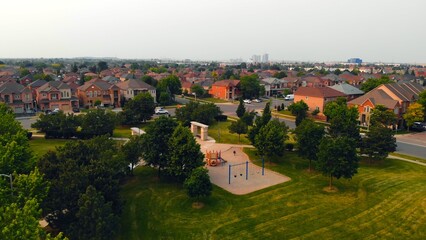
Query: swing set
x=242 y=170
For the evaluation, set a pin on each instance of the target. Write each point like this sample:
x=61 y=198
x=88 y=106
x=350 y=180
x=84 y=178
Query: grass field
x=387 y=200
x=124 y=131
x=40 y=146
x=220 y=132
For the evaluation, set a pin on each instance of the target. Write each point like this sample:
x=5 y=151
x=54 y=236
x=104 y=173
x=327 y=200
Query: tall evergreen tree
x=241 y=109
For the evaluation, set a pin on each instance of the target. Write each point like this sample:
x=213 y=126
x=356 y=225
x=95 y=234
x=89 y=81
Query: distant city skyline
x=288 y=30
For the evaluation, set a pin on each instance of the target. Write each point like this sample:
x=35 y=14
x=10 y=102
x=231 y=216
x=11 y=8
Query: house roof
x=111 y=79
x=37 y=83
x=347 y=89
x=376 y=97
x=96 y=82
x=227 y=83
x=323 y=92
x=134 y=84
x=271 y=80
x=53 y=85
x=11 y=87
x=406 y=91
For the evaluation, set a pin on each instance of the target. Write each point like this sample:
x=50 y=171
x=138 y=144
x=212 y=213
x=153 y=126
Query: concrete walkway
x=407 y=160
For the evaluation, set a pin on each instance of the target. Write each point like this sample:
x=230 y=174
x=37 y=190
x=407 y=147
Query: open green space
x=123 y=131
x=220 y=132
x=40 y=145
x=209 y=99
x=384 y=200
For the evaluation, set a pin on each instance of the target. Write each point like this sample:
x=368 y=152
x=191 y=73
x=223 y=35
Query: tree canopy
x=309 y=135
x=414 y=113
x=241 y=109
x=343 y=120
x=239 y=127
x=372 y=83
x=300 y=110
x=250 y=86
x=271 y=138
x=198 y=183
x=140 y=109
x=199 y=112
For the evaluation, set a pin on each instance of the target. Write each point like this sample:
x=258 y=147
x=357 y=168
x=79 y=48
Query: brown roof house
x=132 y=87
x=394 y=96
x=317 y=97
x=55 y=94
x=18 y=97
x=99 y=90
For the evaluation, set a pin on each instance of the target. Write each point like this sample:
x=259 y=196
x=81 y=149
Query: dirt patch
x=197 y=205
x=330 y=190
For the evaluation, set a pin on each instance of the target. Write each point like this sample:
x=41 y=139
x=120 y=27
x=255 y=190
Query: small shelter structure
x=200 y=130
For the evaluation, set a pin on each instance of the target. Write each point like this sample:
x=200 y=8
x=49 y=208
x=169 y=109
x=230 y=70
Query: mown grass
x=385 y=200
x=40 y=145
x=123 y=131
x=220 y=132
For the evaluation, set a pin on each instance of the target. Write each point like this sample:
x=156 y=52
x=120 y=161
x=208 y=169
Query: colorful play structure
x=213 y=158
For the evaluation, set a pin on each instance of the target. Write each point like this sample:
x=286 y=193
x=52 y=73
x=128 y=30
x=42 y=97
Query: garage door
x=54 y=107
x=19 y=110
x=65 y=107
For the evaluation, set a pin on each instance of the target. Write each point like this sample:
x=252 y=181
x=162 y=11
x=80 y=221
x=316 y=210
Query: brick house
x=225 y=89
x=132 y=87
x=317 y=97
x=56 y=94
x=97 y=89
x=394 y=96
x=18 y=97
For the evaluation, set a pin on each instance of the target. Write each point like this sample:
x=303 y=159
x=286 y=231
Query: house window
x=306 y=97
x=367 y=109
x=96 y=93
x=90 y=94
x=44 y=94
x=17 y=96
x=54 y=96
x=27 y=97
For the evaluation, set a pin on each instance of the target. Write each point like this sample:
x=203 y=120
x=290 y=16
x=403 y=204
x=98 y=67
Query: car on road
x=289 y=97
x=247 y=101
x=160 y=110
x=418 y=126
x=257 y=100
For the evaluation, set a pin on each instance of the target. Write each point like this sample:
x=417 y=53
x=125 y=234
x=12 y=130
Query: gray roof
x=134 y=84
x=111 y=79
x=347 y=89
x=11 y=87
x=38 y=83
x=271 y=80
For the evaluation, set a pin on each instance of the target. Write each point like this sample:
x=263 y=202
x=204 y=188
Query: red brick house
x=97 y=89
x=18 y=97
x=317 y=97
x=225 y=89
x=55 y=94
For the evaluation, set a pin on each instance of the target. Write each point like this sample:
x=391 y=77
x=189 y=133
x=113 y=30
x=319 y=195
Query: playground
x=230 y=168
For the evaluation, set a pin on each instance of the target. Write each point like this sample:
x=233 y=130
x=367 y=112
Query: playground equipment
x=242 y=170
x=214 y=158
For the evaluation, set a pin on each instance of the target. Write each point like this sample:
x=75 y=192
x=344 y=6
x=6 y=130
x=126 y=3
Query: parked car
x=76 y=109
x=418 y=126
x=247 y=101
x=289 y=97
x=160 y=110
x=257 y=100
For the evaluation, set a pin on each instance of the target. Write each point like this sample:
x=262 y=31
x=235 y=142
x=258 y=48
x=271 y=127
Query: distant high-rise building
x=256 y=58
x=355 y=60
x=265 y=58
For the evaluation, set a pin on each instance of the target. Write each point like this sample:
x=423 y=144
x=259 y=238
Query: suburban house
x=394 y=96
x=225 y=89
x=274 y=86
x=56 y=94
x=132 y=87
x=317 y=97
x=186 y=86
x=98 y=90
x=18 y=97
x=350 y=91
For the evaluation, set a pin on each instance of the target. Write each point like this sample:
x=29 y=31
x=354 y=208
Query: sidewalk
x=407 y=160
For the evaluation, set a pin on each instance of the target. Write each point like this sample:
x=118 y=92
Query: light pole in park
x=195 y=94
x=10 y=177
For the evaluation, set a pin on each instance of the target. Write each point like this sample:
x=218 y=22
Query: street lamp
x=10 y=177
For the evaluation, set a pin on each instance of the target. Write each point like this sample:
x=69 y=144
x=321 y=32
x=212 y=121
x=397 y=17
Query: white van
x=289 y=97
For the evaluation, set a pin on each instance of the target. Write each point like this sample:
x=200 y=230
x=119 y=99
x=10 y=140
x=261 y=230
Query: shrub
x=221 y=118
x=315 y=112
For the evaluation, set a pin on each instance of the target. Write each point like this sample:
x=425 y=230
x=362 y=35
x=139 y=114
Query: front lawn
x=385 y=200
x=40 y=145
x=220 y=132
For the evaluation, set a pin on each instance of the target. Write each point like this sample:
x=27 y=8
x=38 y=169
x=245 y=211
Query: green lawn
x=40 y=146
x=124 y=131
x=386 y=200
x=220 y=132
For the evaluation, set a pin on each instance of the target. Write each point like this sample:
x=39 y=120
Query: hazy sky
x=309 y=30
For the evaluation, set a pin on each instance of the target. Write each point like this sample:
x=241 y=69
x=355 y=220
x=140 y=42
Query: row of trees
x=22 y=186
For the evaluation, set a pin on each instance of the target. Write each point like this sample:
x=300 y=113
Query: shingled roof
x=323 y=92
x=134 y=84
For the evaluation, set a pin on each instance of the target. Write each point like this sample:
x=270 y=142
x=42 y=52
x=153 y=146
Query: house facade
x=55 y=94
x=99 y=90
x=132 y=87
x=317 y=97
x=225 y=89
x=18 y=97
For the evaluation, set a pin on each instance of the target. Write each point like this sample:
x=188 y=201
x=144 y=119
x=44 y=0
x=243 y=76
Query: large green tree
x=198 y=184
x=372 y=83
x=309 y=135
x=250 y=86
x=97 y=122
x=422 y=101
x=241 y=109
x=337 y=157
x=155 y=143
x=300 y=110
x=171 y=85
x=378 y=142
x=380 y=115
x=414 y=113
x=140 y=109
x=271 y=138
x=260 y=122
x=199 y=112
x=185 y=154
x=343 y=119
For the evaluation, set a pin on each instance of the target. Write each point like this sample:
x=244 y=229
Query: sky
x=290 y=30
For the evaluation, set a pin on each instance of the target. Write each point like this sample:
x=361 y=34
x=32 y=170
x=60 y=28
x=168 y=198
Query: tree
x=250 y=86
x=337 y=71
x=194 y=111
x=155 y=143
x=379 y=142
x=372 y=83
x=280 y=74
x=74 y=68
x=132 y=151
x=95 y=217
x=170 y=84
x=299 y=109
x=380 y=115
x=241 y=108
x=260 y=122
x=271 y=138
x=414 y=113
x=343 y=120
x=23 y=72
x=185 y=154
x=422 y=101
x=98 y=122
x=150 y=80
x=102 y=65
x=309 y=135
x=248 y=118
x=58 y=125
x=238 y=127
x=140 y=109
x=337 y=158
x=198 y=184
x=198 y=90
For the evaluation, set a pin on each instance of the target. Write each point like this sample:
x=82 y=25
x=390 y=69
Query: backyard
x=384 y=200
